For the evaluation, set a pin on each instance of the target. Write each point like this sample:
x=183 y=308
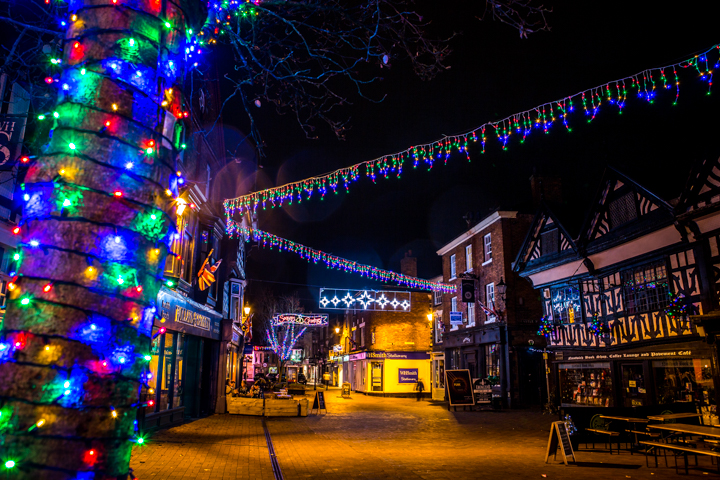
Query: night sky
x=493 y=74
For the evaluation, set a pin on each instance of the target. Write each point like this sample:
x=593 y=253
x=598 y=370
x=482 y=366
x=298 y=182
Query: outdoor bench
x=610 y=434
x=681 y=449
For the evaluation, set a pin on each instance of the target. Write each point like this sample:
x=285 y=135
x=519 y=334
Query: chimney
x=547 y=188
x=408 y=265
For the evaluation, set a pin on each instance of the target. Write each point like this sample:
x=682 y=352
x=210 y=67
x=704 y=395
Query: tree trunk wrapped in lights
x=76 y=336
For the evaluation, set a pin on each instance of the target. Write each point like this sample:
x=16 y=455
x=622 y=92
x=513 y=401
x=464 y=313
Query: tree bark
x=97 y=221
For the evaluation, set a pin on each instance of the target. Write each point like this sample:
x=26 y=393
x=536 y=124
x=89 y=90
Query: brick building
x=495 y=336
x=386 y=350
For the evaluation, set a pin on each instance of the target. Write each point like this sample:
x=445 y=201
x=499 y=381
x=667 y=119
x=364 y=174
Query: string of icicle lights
x=335 y=262
x=643 y=85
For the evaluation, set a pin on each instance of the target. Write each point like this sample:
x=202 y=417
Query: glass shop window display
x=683 y=381
x=148 y=391
x=633 y=384
x=588 y=384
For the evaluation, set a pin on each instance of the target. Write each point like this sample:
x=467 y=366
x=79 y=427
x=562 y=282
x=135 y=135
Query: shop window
x=452 y=267
x=164 y=400
x=178 y=381
x=492 y=363
x=149 y=391
x=683 y=381
x=585 y=384
x=566 y=307
x=633 y=383
x=645 y=289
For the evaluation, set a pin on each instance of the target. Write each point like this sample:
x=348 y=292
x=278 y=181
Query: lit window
x=488 y=248
x=468 y=258
x=490 y=300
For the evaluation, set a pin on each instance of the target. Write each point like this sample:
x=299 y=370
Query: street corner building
x=630 y=303
x=384 y=349
x=488 y=325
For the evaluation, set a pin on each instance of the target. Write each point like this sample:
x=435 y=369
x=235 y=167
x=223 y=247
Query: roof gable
x=545 y=228
x=703 y=187
x=619 y=201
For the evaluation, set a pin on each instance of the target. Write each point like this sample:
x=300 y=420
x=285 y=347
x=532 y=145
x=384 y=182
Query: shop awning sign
x=184 y=315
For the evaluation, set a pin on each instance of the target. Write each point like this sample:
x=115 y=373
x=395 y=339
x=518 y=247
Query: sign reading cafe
x=340 y=299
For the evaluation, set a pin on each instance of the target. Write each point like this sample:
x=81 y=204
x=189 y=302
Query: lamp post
x=243 y=366
x=501 y=288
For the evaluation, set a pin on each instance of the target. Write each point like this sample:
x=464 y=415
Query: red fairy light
x=90 y=457
x=47 y=287
x=139 y=288
x=76 y=45
x=118 y=193
x=25 y=159
x=16 y=230
x=151 y=403
x=49 y=80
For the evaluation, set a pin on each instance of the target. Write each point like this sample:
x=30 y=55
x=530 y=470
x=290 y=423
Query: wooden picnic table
x=633 y=430
x=625 y=419
x=673 y=416
x=683 y=428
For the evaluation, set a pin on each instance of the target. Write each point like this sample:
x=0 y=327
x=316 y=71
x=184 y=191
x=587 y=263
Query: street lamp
x=247 y=311
x=501 y=288
x=430 y=317
x=337 y=329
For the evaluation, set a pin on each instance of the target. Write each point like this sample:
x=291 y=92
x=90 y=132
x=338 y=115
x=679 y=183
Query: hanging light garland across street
x=645 y=85
x=332 y=261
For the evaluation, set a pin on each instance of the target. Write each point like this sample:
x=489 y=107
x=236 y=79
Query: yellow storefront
x=393 y=373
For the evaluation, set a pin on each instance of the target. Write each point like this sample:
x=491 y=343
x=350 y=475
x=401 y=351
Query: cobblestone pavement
x=380 y=438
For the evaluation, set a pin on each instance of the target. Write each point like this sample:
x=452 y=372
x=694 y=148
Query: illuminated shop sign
x=336 y=299
x=312 y=320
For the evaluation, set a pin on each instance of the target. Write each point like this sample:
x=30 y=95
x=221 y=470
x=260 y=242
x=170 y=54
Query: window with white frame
x=490 y=301
x=471 y=314
x=468 y=258
x=437 y=320
x=437 y=297
x=453 y=308
x=452 y=266
x=487 y=242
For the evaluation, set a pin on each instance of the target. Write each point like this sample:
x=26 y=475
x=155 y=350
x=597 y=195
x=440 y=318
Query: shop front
x=390 y=373
x=638 y=382
x=183 y=364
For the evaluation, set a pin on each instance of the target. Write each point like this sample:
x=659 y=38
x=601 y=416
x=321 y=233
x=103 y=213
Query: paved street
x=378 y=438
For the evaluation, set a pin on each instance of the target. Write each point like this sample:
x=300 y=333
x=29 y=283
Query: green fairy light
x=10 y=464
x=41 y=117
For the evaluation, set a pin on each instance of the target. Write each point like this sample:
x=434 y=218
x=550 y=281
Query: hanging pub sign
x=459 y=387
x=12 y=130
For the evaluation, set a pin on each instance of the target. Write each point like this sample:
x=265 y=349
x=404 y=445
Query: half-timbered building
x=623 y=300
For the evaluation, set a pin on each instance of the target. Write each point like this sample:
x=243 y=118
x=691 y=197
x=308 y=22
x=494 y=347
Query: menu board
x=459 y=387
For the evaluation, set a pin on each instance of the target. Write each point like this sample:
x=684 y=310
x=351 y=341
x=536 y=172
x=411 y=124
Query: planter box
x=244 y=406
x=286 y=408
x=270 y=407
